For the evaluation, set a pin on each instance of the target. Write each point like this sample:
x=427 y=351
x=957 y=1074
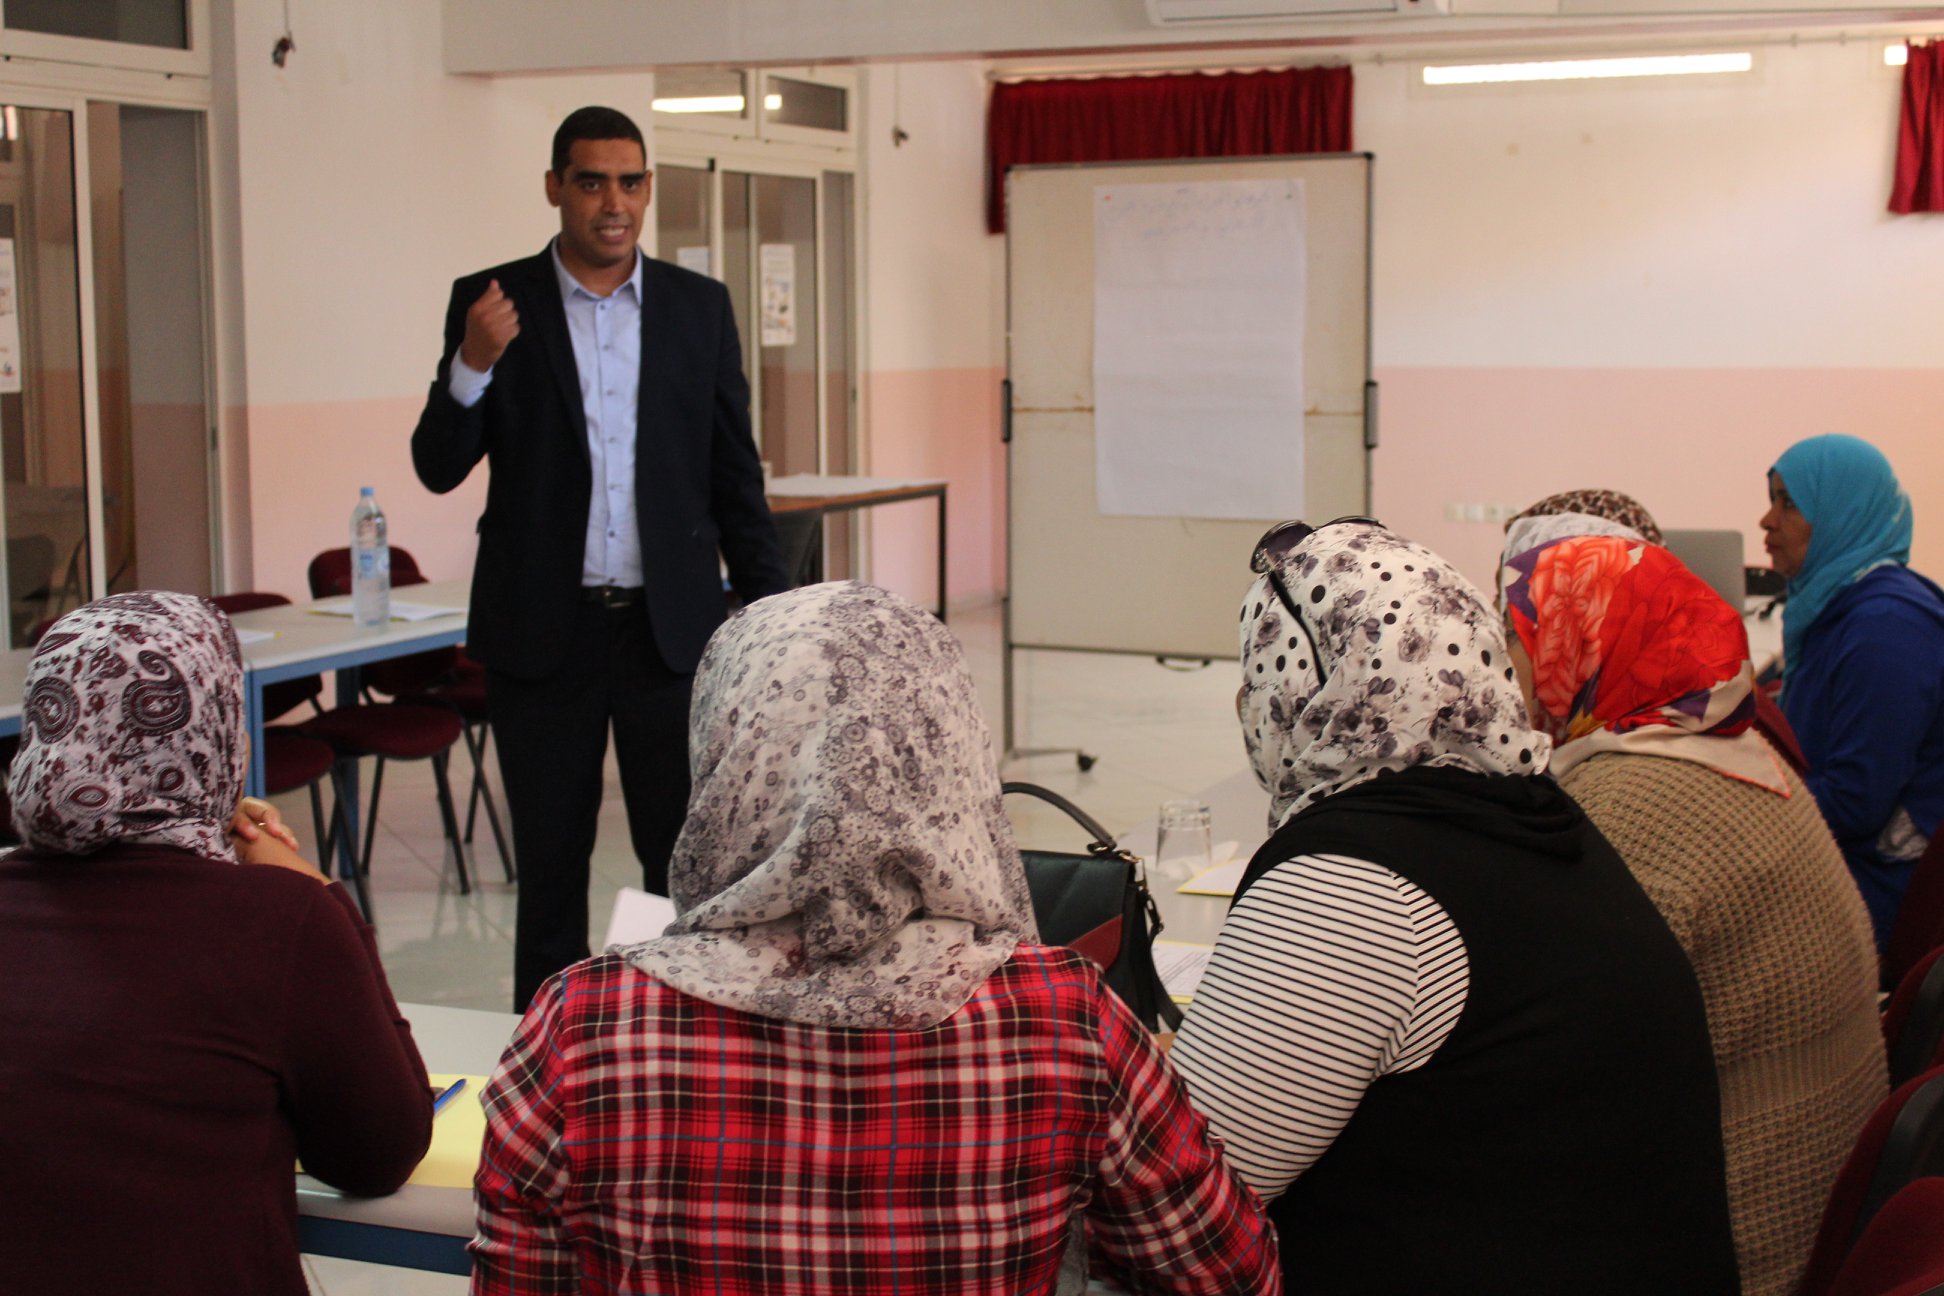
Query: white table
x=308 y=642
x=417 y=1227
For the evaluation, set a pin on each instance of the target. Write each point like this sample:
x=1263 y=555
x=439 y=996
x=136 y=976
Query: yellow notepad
x=457 y=1131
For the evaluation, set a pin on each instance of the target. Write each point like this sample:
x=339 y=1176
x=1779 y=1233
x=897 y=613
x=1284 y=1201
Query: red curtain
x=1140 y=118
x=1919 y=186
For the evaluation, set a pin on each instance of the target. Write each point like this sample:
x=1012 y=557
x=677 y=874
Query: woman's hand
x=265 y=849
x=256 y=818
x=259 y=836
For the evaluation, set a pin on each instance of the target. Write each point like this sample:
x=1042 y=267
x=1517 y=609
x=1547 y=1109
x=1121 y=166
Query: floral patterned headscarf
x=1613 y=505
x=132 y=728
x=1523 y=534
x=1383 y=657
x=846 y=860
x=1632 y=651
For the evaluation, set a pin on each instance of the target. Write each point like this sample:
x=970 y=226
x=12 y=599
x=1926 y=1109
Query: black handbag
x=1098 y=904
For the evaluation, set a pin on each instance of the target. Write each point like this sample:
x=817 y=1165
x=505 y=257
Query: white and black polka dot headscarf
x=1364 y=652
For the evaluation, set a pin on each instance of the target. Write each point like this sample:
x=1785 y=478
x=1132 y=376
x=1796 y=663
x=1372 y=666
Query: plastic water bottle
x=370 y=564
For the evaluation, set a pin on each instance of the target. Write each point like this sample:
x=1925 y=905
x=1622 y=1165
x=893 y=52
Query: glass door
x=782 y=245
x=156 y=445
x=43 y=443
x=771 y=221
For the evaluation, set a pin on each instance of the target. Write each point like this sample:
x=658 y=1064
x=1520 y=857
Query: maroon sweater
x=174 y=1034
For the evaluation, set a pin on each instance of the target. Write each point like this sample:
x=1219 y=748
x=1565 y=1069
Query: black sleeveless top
x=1566 y=1137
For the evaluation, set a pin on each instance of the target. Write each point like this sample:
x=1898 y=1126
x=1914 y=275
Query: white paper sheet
x=1181 y=966
x=1198 y=349
x=638 y=916
x=777 y=262
x=9 y=320
x=245 y=638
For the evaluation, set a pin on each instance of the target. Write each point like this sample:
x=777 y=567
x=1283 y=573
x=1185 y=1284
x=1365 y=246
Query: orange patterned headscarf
x=1622 y=638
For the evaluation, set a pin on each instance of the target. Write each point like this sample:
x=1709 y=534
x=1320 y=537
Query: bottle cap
x=365 y=490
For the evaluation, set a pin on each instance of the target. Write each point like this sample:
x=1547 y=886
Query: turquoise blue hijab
x=1859 y=520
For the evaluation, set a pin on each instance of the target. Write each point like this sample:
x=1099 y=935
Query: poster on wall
x=777 y=262
x=1198 y=348
x=9 y=321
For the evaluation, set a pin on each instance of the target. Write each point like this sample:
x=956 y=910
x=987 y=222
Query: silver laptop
x=1716 y=557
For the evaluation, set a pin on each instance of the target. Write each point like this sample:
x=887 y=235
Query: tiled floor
x=1158 y=733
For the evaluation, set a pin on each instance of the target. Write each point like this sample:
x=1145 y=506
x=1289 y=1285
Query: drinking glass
x=1182 y=840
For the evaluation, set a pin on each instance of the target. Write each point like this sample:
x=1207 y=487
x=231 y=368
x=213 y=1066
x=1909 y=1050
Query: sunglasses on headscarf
x=1277 y=542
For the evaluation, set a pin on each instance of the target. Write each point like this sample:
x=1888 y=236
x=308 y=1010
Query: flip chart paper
x=1198 y=349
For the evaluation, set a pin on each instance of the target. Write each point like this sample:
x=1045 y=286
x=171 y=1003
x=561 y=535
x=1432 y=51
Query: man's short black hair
x=592 y=123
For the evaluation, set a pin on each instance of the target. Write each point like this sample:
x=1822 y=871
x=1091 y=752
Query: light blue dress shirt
x=606 y=333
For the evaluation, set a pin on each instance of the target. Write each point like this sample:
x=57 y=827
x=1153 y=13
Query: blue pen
x=440 y=1099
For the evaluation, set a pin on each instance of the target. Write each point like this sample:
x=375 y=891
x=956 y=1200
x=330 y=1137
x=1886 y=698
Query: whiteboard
x=1160 y=586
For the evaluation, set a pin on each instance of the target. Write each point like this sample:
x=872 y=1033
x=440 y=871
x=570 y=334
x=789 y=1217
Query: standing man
x=606 y=390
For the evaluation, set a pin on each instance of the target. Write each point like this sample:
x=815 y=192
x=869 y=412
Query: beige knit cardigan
x=1755 y=890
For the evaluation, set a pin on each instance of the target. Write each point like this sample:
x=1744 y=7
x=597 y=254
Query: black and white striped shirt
x=1330 y=972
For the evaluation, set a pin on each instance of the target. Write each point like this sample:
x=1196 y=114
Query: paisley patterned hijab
x=1382 y=657
x=846 y=861
x=133 y=729
x=1633 y=652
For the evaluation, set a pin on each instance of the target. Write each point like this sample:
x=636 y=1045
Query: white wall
x=934 y=343
x=934 y=275
x=1655 y=286
x=1730 y=220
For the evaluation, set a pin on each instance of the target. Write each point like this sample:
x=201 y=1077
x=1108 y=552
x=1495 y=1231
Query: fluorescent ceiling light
x=712 y=104
x=1588 y=68
x=1896 y=55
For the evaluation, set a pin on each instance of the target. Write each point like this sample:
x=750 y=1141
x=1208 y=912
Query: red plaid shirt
x=641 y=1140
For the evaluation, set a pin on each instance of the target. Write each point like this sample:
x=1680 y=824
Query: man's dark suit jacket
x=698 y=484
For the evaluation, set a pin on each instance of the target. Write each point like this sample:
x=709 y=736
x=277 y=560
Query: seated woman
x=846 y=1067
x=179 y=1030
x=1443 y=1028
x=1641 y=674
x=1862 y=657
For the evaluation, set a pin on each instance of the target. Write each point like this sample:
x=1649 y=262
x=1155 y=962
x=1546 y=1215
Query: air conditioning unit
x=1209 y=13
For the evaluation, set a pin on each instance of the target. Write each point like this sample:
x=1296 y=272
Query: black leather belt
x=611 y=596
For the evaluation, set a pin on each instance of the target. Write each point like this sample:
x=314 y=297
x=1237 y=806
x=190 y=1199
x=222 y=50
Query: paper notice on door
x=9 y=320
x=778 y=264
x=693 y=258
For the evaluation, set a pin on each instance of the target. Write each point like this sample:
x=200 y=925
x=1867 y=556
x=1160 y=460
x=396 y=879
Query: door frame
x=753 y=158
x=79 y=98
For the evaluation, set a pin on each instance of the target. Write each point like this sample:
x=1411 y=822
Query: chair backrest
x=330 y=572
x=284 y=696
x=1919 y=927
x=1901 y=1253
x=1903 y=1140
x=330 y=575
x=1774 y=726
x=1913 y=1021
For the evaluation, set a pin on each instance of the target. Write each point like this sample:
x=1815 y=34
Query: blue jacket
x=1866 y=701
